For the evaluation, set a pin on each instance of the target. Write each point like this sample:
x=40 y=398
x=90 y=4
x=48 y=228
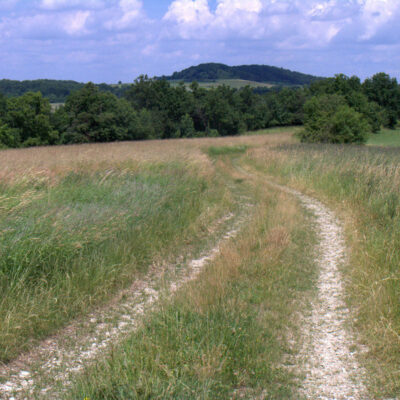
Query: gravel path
x=328 y=357
x=49 y=369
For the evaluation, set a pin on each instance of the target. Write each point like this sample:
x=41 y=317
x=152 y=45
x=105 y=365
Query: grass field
x=79 y=223
x=387 y=137
x=363 y=185
x=233 y=83
x=224 y=335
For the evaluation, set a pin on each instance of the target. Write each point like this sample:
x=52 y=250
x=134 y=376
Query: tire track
x=327 y=356
x=48 y=370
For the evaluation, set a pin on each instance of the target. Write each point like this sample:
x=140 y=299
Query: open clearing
x=246 y=267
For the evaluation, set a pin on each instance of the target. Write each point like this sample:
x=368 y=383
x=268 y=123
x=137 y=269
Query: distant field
x=234 y=83
x=387 y=137
x=279 y=129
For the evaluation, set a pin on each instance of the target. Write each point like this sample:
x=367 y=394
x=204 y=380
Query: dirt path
x=50 y=368
x=328 y=355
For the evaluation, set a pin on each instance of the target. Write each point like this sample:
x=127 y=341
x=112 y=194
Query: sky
x=118 y=40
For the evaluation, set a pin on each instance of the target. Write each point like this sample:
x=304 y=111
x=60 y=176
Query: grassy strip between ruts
x=363 y=185
x=71 y=244
x=226 y=334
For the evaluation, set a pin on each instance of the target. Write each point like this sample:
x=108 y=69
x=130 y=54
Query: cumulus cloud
x=40 y=27
x=298 y=34
x=68 y=4
x=189 y=12
x=310 y=22
x=376 y=14
x=129 y=11
x=75 y=23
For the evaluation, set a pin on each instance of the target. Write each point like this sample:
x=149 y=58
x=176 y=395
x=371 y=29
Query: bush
x=328 y=119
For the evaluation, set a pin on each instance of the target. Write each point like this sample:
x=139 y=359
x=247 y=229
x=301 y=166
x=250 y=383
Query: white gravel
x=47 y=370
x=328 y=355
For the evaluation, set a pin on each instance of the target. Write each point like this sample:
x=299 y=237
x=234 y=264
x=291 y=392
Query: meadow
x=233 y=83
x=387 y=137
x=79 y=223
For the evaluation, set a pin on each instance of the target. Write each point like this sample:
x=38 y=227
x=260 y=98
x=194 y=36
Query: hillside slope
x=256 y=73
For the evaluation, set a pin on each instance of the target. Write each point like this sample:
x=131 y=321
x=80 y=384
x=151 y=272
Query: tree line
x=56 y=91
x=340 y=110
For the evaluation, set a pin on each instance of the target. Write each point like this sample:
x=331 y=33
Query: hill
x=255 y=73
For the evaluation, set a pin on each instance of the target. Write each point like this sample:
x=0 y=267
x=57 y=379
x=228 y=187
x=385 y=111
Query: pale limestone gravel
x=51 y=367
x=328 y=355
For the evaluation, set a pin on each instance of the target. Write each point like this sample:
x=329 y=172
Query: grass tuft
x=214 y=151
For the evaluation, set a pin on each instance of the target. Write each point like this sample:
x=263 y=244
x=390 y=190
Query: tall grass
x=364 y=185
x=68 y=245
x=226 y=334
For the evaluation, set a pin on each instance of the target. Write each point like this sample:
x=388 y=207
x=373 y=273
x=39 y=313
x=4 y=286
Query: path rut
x=48 y=370
x=327 y=356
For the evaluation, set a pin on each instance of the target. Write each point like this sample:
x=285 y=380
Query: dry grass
x=363 y=185
x=224 y=335
x=67 y=223
x=53 y=161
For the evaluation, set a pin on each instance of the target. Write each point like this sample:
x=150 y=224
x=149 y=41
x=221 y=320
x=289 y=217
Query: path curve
x=48 y=370
x=327 y=356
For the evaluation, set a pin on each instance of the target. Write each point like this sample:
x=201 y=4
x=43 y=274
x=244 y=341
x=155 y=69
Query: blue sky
x=112 y=40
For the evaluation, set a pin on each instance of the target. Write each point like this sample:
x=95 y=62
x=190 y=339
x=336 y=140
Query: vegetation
x=343 y=110
x=328 y=119
x=56 y=91
x=232 y=83
x=388 y=137
x=226 y=150
x=84 y=221
x=71 y=242
x=224 y=335
x=256 y=73
x=362 y=183
x=334 y=110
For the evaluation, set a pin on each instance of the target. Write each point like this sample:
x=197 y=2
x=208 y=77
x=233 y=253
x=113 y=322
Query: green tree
x=385 y=91
x=329 y=119
x=29 y=116
x=186 y=127
x=96 y=116
x=9 y=137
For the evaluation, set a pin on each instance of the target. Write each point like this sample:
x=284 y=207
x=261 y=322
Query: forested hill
x=256 y=73
x=55 y=90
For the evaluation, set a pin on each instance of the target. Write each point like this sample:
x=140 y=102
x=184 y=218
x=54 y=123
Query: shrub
x=328 y=119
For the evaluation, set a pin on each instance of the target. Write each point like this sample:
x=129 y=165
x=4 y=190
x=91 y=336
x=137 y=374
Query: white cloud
x=65 y=4
x=195 y=12
x=129 y=11
x=305 y=22
x=377 y=13
x=44 y=26
x=75 y=23
x=189 y=16
x=228 y=7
